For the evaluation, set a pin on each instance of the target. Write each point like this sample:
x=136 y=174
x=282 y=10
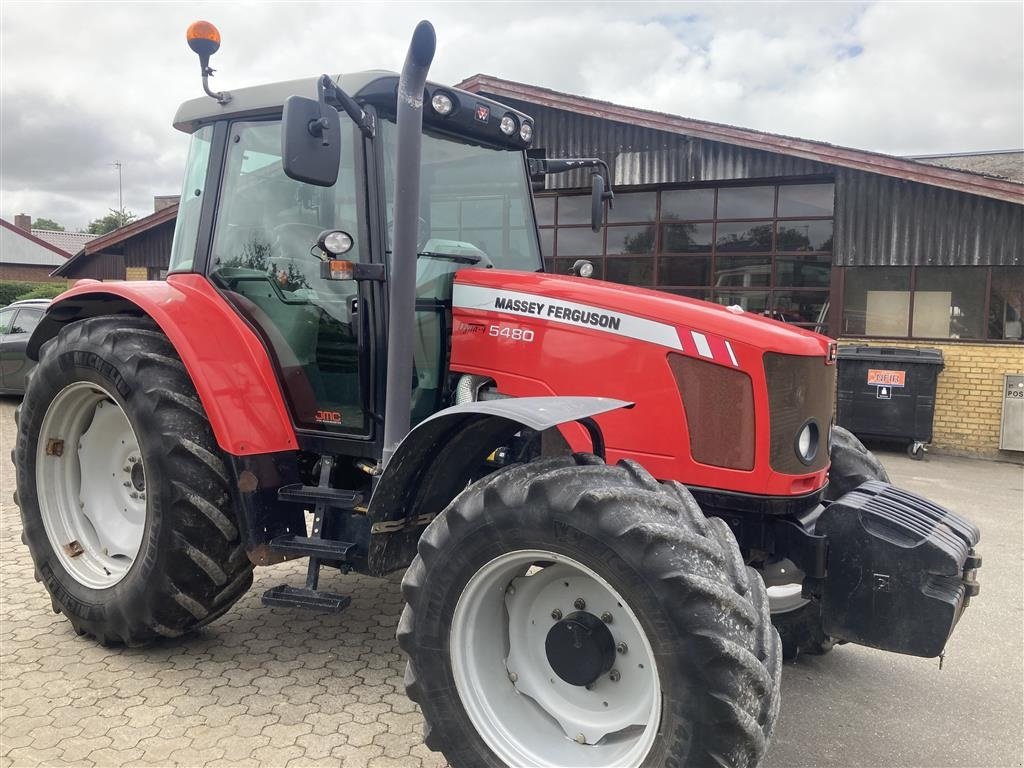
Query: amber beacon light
x=204 y=39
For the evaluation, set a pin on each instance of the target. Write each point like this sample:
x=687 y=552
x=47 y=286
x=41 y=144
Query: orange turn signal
x=203 y=37
x=340 y=269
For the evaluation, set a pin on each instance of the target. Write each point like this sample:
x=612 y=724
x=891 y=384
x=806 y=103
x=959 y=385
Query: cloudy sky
x=88 y=84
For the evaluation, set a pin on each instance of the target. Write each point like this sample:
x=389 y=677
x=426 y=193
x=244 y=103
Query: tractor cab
x=261 y=229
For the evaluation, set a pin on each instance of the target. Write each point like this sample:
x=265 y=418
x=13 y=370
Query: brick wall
x=29 y=273
x=969 y=398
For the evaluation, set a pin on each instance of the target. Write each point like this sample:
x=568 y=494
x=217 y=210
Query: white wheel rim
x=521 y=708
x=785 y=587
x=90 y=482
x=785 y=598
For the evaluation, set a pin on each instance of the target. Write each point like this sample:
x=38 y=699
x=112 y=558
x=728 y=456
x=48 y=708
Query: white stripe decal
x=703 y=348
x=732 y=355
x=566 y=312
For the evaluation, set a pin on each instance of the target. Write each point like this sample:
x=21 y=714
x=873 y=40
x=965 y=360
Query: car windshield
x=472 y=199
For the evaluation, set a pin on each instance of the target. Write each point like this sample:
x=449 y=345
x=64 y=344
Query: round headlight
x=526 y=131
x=442 y=103
x=508 y=125
x=336 y=242
x=807 y=441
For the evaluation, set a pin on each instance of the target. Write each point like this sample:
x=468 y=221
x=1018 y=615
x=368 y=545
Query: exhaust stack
x=402 y=269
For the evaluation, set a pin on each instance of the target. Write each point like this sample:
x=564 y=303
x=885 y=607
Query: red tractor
x=605 y=497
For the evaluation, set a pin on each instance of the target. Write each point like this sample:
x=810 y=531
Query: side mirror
x=599 y=192
x=310 y=141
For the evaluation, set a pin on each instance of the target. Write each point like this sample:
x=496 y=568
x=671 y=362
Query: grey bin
x=888 y=393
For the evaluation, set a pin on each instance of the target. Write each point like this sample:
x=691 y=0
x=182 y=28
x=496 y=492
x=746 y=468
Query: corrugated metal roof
x=69 y=242
x=640 y=155
x=817 y=151
x=1004 y=164
x=17 y=246
x=881 y=221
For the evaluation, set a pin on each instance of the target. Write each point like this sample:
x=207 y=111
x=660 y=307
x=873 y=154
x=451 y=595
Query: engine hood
x=523 y=293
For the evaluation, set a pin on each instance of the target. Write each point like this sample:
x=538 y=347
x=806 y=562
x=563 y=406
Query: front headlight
x=807 y=441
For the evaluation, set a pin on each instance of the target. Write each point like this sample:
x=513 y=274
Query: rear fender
x=444 y=453
x=227 y=362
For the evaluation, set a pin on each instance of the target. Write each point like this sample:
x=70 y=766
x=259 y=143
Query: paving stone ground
x=259 y=687
x=276 y=687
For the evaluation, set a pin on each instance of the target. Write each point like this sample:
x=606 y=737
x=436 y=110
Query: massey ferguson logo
x=327 y=417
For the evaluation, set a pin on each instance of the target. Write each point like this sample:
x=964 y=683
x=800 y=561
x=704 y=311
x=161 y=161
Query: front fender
x=227 y=362
x=438 y=458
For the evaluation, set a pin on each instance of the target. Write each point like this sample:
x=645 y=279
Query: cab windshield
x=475 y=202
x=472 y=198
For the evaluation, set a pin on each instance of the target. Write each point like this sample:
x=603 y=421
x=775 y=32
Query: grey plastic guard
x=537 y=413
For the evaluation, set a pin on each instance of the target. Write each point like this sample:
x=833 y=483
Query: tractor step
x=284 y=596
x=302 y=546
x=336 y=498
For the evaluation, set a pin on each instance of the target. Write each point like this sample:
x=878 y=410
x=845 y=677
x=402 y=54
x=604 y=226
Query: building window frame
x=557 y=261
x=842 y=274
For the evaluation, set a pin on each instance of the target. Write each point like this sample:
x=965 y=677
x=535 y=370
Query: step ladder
x=318 y=549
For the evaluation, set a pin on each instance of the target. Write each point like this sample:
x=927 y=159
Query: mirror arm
x=563 y=165
x=328 y=90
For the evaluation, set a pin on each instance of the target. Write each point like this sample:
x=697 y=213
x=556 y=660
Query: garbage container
x=888 y=393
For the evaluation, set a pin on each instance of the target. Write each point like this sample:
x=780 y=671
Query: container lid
x=892 y=355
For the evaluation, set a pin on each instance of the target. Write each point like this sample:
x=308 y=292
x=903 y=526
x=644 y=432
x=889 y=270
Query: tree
x=110 y=222
x=48 y=224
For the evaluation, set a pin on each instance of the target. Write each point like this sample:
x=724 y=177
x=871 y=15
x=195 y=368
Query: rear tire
x=681 y=586
x=801 y=628
x=190 y=565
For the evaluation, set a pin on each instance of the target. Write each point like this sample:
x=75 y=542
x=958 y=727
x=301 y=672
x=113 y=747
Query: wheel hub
x=580 y=648
x=538 y=687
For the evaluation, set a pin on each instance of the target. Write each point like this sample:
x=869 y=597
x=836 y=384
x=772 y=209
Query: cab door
x=264 y=257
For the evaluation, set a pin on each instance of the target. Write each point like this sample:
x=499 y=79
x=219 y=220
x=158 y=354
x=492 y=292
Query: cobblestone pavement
x=278 y=687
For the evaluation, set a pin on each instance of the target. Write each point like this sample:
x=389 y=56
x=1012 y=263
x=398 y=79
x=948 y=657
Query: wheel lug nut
x=614 y=675
x=556 y=615
x=127 y=484
x=132 y=459
x=606 y=617
x=126 y=468
x=579 y=604
x=621 y=647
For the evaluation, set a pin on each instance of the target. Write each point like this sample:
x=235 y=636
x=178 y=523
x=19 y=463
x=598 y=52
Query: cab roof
x=261 y=98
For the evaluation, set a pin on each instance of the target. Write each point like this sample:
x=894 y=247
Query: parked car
x=17 y=321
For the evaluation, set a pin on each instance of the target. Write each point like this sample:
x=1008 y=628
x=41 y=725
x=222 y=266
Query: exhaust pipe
x=402 y=269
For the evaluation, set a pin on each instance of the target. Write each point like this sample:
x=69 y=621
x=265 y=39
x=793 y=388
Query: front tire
x=696 y=679
x=123 y=490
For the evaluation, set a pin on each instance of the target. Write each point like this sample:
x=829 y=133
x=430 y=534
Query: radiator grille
x=799 y=388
